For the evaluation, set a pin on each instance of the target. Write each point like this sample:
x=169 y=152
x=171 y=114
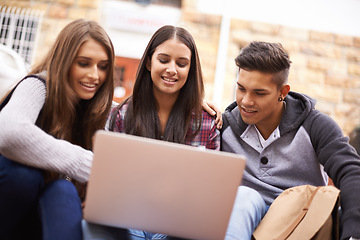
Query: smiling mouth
x=248 y=110
x=169 y=79
x=88 y=85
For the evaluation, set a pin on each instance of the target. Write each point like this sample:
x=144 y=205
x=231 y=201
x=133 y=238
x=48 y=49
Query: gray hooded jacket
x=310 y=143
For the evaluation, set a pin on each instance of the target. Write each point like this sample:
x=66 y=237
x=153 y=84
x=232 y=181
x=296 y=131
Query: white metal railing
x=20 y=29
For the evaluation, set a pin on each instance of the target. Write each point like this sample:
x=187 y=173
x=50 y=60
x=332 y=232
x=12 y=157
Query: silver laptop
x=161 y=187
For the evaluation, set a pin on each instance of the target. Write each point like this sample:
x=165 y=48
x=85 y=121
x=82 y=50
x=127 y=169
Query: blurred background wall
x=323 y=48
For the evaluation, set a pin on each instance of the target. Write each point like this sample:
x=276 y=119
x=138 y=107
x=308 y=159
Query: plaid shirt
x=208 y=135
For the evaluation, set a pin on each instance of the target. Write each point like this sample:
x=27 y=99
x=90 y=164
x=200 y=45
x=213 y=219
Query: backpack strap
x=8 y=96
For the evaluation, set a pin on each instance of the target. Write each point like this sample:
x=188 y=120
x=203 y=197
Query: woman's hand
x=213 y=110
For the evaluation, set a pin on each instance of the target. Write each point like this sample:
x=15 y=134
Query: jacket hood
x=297 y=108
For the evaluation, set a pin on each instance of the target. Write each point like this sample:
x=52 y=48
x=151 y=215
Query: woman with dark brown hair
x=46 y=135
x=166 y=104
x=167 y=98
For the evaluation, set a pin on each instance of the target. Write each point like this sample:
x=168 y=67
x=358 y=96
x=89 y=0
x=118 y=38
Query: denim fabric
x=26 y=202
x=248 y=210
x=60 y=211
x=20 y=187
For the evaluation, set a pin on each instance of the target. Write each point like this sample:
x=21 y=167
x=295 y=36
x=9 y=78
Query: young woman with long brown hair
x=46 y=135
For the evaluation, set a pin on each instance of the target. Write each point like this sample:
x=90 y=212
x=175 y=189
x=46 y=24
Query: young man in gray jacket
x=285 y=140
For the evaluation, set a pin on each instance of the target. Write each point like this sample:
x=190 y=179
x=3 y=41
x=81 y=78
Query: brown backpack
x=302 y=212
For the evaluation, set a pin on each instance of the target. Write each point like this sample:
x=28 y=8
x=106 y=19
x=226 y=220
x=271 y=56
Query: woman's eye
x=163 y=61
x=182 y=65
x=103 y=67
x=83 y=64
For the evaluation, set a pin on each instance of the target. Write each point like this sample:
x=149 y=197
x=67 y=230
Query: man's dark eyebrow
x=259 y=90
x=239 y=84
x=255 y=90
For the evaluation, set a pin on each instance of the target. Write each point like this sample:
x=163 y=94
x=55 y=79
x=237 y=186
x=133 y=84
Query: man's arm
x=342 y=164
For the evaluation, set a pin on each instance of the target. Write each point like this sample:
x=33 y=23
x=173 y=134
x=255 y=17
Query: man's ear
x=148 y=64
x=285 y=90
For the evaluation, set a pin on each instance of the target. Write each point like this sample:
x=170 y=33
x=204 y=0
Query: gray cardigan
x=22 y=141
x=309 y=143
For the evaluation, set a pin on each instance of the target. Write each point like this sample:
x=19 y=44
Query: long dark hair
x=141 y=117
x=63 y=116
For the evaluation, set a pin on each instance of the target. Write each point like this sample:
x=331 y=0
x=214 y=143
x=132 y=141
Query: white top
x=253 y=137
x=22 y=141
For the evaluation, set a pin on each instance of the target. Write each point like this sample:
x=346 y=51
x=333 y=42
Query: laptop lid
x=161 y=187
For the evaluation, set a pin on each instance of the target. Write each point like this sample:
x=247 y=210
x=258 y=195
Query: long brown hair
x=63 y=116
x=141 y=116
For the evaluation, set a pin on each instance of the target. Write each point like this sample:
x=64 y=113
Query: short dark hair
x=267 y=58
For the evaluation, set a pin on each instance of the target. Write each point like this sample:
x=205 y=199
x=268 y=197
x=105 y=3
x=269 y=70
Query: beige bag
x=302 y=212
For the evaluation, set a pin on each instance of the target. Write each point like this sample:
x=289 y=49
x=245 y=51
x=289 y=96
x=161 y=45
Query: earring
x=280 y=99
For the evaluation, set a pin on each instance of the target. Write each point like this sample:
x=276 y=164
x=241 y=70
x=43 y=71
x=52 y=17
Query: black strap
x=7 y=98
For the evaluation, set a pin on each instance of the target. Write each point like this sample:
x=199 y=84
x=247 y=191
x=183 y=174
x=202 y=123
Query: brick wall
x=325 y=66
x=206 y=30
x=57 y=13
